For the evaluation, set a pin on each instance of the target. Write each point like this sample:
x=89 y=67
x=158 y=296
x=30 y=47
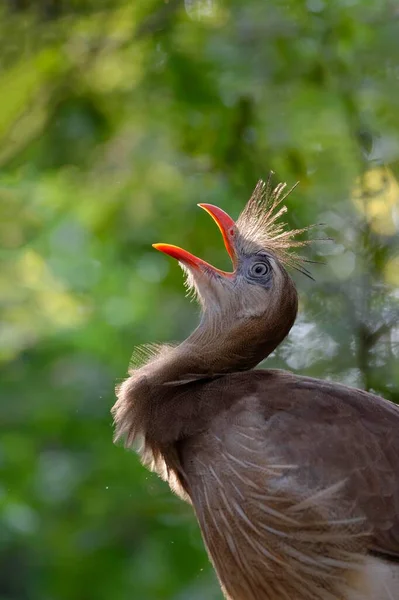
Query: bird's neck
x=216 y=349
x=155 y=403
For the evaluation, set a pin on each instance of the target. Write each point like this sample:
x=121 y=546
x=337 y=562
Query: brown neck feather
x=217 y=347
x=155 y=402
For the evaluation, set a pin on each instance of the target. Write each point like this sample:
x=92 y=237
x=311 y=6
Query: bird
x=294 y=481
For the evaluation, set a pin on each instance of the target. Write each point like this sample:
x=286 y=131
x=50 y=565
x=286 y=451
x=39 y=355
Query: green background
x=116 y=118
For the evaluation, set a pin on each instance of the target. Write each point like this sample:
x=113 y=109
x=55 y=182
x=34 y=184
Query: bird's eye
x=259 y=269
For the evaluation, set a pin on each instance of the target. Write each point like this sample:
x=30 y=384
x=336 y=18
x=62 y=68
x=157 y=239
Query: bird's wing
x=338 y=434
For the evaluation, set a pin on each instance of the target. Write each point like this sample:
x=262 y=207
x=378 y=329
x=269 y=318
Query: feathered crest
x=259 y=225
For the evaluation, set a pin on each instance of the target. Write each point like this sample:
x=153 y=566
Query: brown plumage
x=294 y=481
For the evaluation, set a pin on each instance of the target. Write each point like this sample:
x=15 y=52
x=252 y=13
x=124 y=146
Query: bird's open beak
x=229 y=231
x=227 y=228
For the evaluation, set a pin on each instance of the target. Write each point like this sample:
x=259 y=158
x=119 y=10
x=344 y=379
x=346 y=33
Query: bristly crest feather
x=258 y=225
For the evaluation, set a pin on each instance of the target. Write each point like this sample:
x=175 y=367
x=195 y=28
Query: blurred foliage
x=116 y=118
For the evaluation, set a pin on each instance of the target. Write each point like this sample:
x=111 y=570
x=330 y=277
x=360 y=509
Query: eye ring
x=259 y=269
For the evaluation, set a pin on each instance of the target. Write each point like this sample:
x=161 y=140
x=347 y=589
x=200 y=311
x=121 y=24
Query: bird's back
x=295 y=483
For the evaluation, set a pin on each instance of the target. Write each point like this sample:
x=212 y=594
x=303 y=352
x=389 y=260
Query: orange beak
x=228 y=229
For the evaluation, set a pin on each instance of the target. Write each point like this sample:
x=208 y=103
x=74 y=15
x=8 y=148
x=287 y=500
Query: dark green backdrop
x=116 y=118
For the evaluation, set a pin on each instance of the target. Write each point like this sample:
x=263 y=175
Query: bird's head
x=257 y=302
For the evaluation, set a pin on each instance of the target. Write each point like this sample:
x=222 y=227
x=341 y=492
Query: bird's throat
x=212 y=350
x=157 y=403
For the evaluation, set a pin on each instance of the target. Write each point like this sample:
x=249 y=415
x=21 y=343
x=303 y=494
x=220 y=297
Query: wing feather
x=339 y=434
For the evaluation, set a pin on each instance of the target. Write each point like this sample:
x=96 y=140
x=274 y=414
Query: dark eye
x=259 y=269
